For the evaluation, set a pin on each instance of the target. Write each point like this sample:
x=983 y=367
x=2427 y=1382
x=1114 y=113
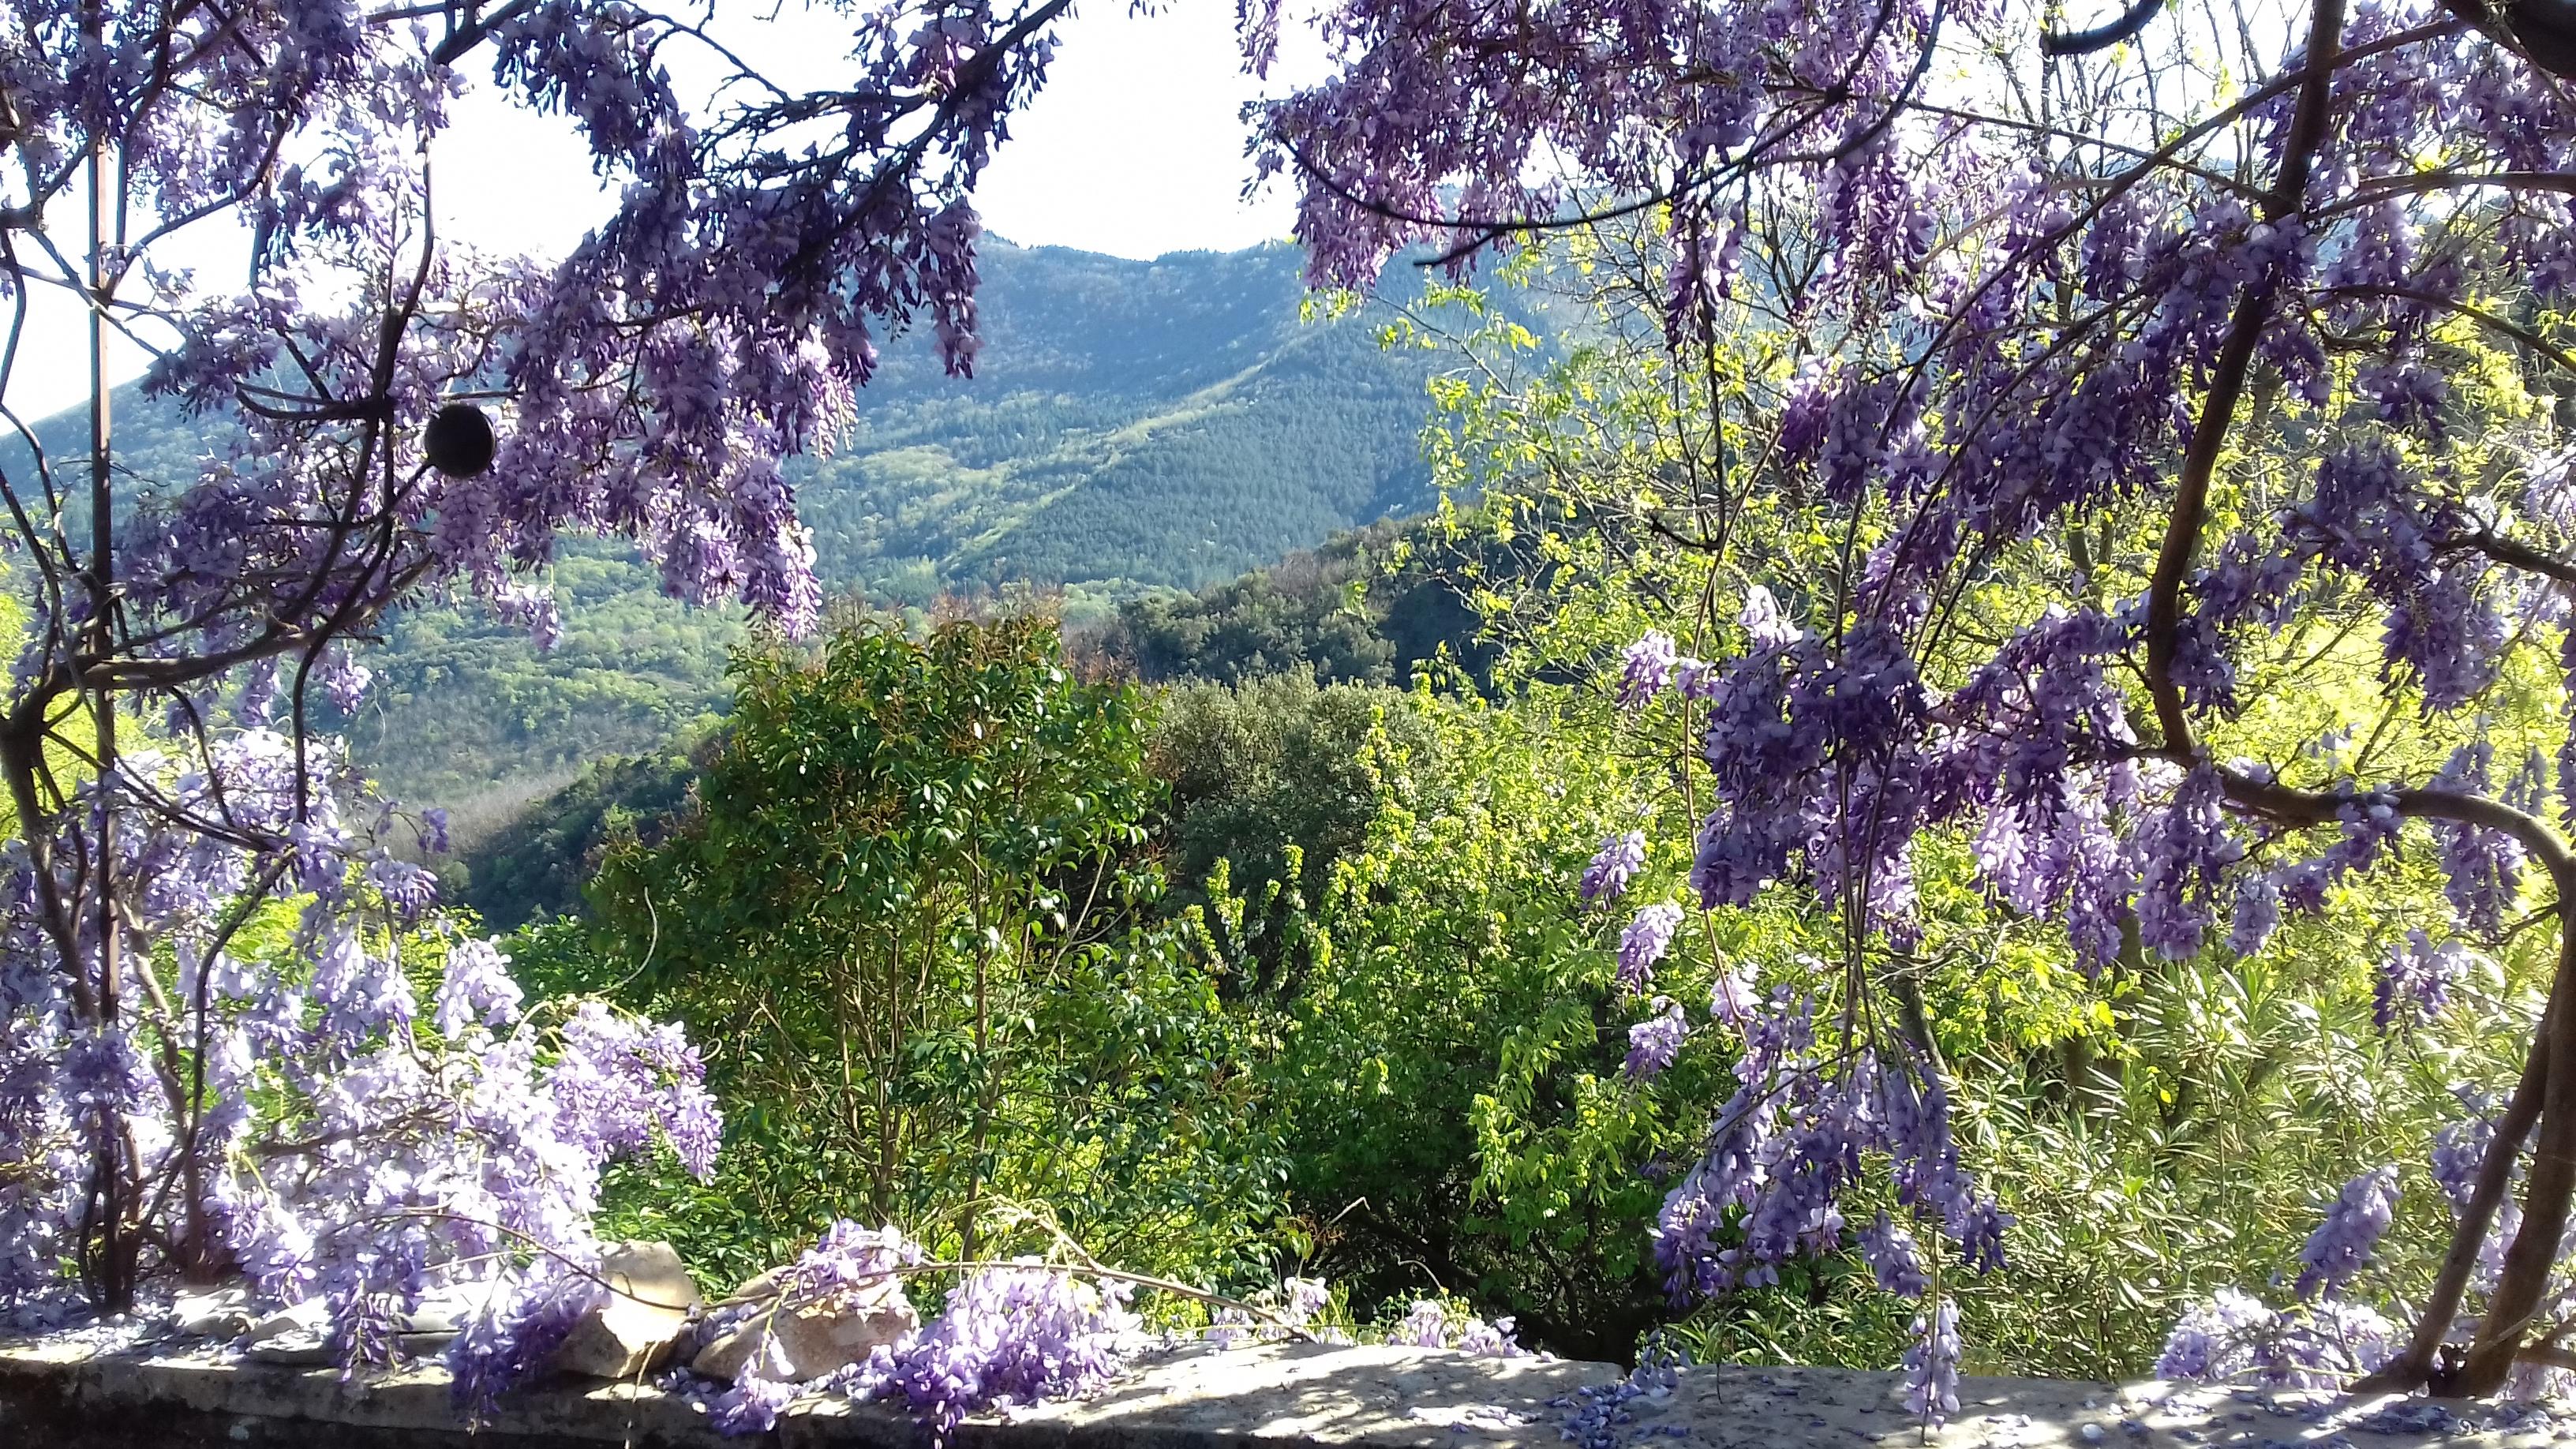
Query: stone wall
x=1277 y=1396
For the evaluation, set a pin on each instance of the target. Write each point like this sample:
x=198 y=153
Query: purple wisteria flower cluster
x=323 y=1130
x=1010 y=1334
x=393 y=419
x=1792 y=1140
x=1932 y=1364
x=2003 y=341
x=2234 y=1335
x=1613 y=866
x=1014 y=1334
x=2415 y=980
x=2342 y=1244
x=1795 y=739
x=1431 y=1323
x=1647 y=937
x=1654 y=1043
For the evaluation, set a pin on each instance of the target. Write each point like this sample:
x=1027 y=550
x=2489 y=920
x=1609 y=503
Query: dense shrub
x=911 y=916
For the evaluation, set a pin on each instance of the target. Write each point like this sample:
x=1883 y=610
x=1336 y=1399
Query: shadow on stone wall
x=1277 y=1396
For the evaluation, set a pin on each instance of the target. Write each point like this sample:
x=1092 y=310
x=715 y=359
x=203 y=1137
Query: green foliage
x=1371 y=606
x=1445 y=1068
x=1271 y=768
x=908 y=919
x=539 y=862
x=1249 y=771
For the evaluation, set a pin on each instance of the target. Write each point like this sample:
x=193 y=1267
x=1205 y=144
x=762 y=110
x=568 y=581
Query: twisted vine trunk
x=2534 y=1253
x=2546 y=1094
x=2417 y=1367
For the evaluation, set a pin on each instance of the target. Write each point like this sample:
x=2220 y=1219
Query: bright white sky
x=1133 y=149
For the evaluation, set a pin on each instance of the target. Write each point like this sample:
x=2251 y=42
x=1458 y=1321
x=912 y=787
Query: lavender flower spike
x=2216 y=1338
x=1646 y=669
x=1644 y=943
x=1932 y=1364
x=2351 y=1230
x=1730 y=994
x=1490 y=1340
x=1427 y=1326
x=2415 y=981
x=1619 y=859
x=1654 y=1042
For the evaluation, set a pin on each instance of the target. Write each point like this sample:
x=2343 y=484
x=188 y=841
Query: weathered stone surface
x=1289 y=1394
x=1753 y=1408
x=296 y=1336
x=1278 y=1396
x=306 y=1317
x=443 y=1311
x=757 y=1289
x=68 y=1398
x=628 y=1334
x=219 y=1313
x=808 y=1343
x=299 y=1335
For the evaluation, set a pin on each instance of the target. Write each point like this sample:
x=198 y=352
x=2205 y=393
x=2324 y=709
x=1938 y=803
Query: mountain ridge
x=1133 y=427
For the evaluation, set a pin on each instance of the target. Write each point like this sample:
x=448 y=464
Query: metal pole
x=116 y=1277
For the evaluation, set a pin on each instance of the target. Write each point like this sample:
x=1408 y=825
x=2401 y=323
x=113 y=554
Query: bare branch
x=2103 y=36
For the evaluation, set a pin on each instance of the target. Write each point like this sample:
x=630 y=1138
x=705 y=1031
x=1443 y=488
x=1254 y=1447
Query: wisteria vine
x=238 y=1036
x=2046 y=295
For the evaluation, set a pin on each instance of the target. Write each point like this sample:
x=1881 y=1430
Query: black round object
x=459 y=440
x=2547 y=30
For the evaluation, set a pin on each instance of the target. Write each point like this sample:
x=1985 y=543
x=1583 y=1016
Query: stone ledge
x=1277 y=1396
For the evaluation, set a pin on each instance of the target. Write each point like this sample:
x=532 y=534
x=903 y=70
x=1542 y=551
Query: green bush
x=911 y=923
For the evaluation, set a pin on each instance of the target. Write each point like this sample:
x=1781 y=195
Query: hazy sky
x=1133 y=148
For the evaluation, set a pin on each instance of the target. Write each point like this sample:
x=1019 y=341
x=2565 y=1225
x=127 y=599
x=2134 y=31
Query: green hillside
x=1371 y=606
x=1134 y=426
x=1140 y=423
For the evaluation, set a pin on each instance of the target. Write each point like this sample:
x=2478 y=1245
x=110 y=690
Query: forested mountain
x=1132 y=425
x=1171 y=422
x=1366 y=607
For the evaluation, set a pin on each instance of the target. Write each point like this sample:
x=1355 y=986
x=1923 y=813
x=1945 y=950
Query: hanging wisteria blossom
x=2040 y=296
x=390 y=420
x=1644 y=943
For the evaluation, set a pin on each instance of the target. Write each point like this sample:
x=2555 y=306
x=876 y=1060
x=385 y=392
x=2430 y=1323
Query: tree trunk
x=2415 y=1368
x=2528 y=1263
